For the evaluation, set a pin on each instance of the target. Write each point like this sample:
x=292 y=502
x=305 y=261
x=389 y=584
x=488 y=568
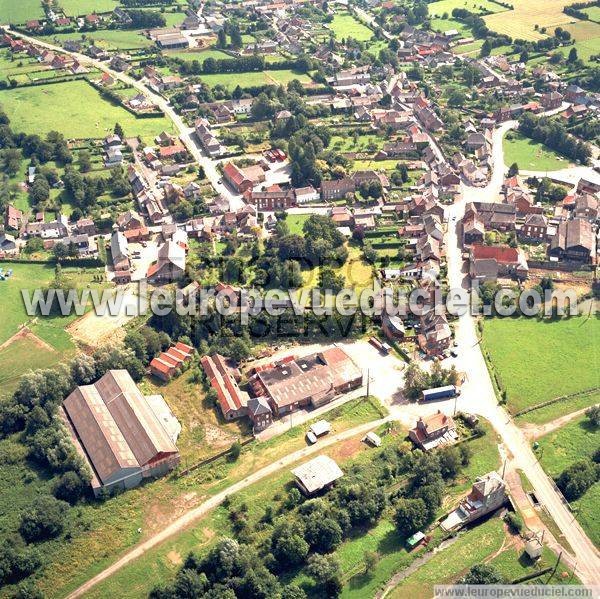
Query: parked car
x=311 y=437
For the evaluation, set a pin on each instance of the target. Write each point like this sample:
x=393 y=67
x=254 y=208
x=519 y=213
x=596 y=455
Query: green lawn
x=593 y=12
x=295 y=222
x=20 y=11
x=539 y=360
x=561 y=448
x=475 y=6
x=443 y=25
x=345 y=25
x=531 y=155
x=75 y=8
x=348 y=141
x=75 y=109
x=585 y=48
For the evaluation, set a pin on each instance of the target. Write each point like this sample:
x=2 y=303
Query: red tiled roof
x=502 y=254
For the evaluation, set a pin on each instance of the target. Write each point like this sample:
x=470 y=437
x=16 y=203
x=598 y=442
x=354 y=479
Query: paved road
x=478 y=394
x=186 y=133
x=198 y=512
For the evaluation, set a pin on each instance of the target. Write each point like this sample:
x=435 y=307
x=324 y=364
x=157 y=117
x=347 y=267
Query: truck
x=440 y=393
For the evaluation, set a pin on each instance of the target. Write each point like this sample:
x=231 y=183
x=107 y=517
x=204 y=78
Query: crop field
x=475 y=6
x=539 y=360
x=75 y=109
x=565 y=446
x=345 y=25
x=75 y=8
x=531 y=155
x=583 y=30
x=521 y=22
x=19 y=11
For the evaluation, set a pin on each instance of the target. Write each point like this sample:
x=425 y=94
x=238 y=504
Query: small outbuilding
x=318 y=474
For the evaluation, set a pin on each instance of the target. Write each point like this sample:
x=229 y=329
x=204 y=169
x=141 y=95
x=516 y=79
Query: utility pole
x=555 y=567
x=368 y=381
x=504 y=468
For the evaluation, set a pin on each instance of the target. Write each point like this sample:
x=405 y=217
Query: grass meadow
x=559 y=449
x=19 y=11
x=76 y=8
x=254 y=78
x=345 y=25
x=442 y=7
x=110 y=39
x=539 y=360
x=75 y=109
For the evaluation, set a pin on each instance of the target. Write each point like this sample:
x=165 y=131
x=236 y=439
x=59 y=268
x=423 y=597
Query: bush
x=514 y=522
x=410 y=516
x=43 y=520
x=576 y=479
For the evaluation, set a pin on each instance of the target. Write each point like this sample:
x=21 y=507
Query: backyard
x=74 y=109
x=539 y=360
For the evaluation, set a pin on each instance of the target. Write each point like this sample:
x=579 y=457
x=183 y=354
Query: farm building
x=318 y=474
x=314 y=380
x=123 y=436
x=224 y=378
x=167 y=363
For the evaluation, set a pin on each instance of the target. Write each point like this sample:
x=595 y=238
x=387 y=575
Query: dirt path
x=533 y=431
x=26 y=333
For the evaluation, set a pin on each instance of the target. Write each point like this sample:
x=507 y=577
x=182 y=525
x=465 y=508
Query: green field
x=75 y=8
x=75 y=109
x=30 y=277
x=254 y=78
x=110 y=39
x=475 y=6
x=295 y=222
x=531 y=155
x=593 y=13
x=540 y=360
x=199 y=56
x=345 y=25
x=560 y=449
x=19 y=11
x=585 y=49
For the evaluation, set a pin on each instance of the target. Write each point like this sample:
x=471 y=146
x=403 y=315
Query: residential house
x=337 y=188
x=534 y=228
x=435 y=335
x=487 y=495
x=434 y=430
x=224 y=377
x=13 y=218
x=487 y=263
x=170 y=265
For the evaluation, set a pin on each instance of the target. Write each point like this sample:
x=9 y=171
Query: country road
x=186 y=133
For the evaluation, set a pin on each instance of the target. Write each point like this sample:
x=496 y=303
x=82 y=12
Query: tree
x=235 y=451
x=593 y=415
x=410 y=516
x=321 y=533
x=370 y=560
x=85 y=161
x=577 y=478
x=119 y=131
x=513 y=169
x=69 y=487
x=40 y=190
x=483 y=574
x=236 y=37
x=572 y=55
x=43 y=520
x=289 y=550
x=486 y=49
x=322 y=567
x=450 y=462
x=221 y=39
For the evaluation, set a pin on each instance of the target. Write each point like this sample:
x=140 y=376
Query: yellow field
x=521 y=22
